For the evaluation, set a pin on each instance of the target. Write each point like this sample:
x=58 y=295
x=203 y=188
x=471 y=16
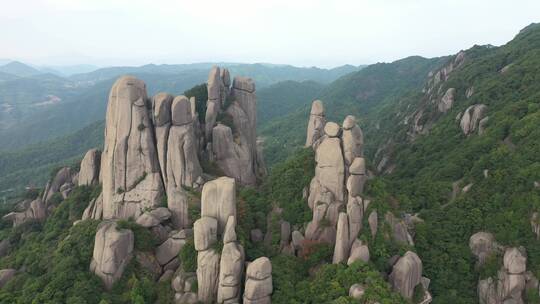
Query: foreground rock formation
x=113 y=250
x=512 y=281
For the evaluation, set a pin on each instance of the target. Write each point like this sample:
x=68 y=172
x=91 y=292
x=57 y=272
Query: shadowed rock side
x=129 y=167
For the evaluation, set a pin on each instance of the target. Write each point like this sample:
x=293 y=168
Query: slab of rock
x=235 y=160
x=169 y=250
x=341 y=249
x=315 y=129
x=218 y=200
x=89 y=173
x=207 y=275
x=447 y=101
x=353 y=140
x=329 y=173
x=113 y=249
x=230 y=273
x=130 y=168
x=205 y=233
x=229 y=235
x=406 y=274
x=359 y=252
x=471 y=118
x=515 y=260
x=258 y=287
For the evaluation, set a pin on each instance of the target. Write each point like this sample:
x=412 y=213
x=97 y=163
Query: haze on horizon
x=300 y=32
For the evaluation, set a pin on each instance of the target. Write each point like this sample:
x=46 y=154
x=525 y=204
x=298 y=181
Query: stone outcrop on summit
x=129 y=164
x=89 y=173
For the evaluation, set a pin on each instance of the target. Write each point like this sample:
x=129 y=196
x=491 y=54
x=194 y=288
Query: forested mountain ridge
x=464 y=153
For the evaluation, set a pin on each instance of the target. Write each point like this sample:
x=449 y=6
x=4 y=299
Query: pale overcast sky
x=298 y=32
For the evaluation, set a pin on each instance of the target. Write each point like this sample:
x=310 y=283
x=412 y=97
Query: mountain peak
x=19 y=69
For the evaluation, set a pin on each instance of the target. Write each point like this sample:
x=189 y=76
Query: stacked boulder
x=335 y=190
x=113 y=249
x=36 y=211
x=219 y=274
x=512 y=280
x=230 y=124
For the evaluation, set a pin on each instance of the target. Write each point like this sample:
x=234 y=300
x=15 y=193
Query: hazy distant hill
x=19 y=69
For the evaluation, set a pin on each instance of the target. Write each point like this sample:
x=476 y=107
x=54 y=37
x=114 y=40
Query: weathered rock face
x=62 y=182
x=341 y=250
x=207 y=275
x=258 y=286
x=183 y=168
x=406 y=274
x=89 y=173
x=94 y=209
x=447 y=100
x=315 y=129
x=169 y=249
x=35 y=211
x=515 y=260
x=218 y=200
x=233 y=147
x=112 y=252
x=359 y=251
x=231 y=267
x=471 y=118
x=329 y=173
x=161 y=109
x=353 y=140
x=129 y=166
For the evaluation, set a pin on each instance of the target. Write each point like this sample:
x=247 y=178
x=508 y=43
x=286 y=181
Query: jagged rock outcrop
x=231 y=266
x=183 y=168
x=113 y=249
x=161 y=109
x=183 y=283
x=36 y=211
x=62 y=183
x=447 y=101
x=89 y=173
x=258 y=287
x=315 y=129
x=130 y=168
x=406 y=274
x=94 y=210
x=471 y=118
x=230 y=126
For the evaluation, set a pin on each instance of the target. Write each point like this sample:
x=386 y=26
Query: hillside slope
x=500 y=165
